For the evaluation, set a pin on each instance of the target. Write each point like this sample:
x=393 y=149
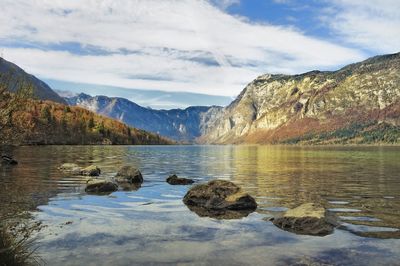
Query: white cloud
x=371 y=24
x=165 y=44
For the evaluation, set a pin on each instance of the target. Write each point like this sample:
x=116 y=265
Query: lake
x=152 y=225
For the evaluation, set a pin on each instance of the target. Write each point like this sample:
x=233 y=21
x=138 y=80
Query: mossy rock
x=91 y=170
x=100 y=186
x=307 y=219
x=219 y=199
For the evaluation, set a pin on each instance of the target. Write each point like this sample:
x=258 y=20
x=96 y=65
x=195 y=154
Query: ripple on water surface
x=152 y=225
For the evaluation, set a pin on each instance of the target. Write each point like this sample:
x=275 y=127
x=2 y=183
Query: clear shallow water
x=153 y=226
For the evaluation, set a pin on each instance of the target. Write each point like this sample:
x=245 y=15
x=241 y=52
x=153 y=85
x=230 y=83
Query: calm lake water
x=152 y=225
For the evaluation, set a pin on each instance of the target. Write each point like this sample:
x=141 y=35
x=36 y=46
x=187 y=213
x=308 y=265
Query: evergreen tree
x=101 y=128
x=91 y=124
x=46 y=114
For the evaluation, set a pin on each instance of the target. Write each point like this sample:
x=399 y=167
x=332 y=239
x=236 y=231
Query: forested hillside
x=46 y=122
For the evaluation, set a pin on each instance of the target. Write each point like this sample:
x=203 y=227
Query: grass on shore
x=16 y=251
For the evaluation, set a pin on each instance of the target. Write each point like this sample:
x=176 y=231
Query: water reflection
x=152 y=225
x=363 y=178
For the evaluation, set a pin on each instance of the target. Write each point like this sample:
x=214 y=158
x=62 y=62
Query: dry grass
x=15 y=251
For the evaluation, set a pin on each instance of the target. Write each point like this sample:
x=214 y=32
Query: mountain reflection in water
x=152 y=225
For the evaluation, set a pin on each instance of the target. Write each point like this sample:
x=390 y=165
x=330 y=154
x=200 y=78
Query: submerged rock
x=8 y=160
x=129 y=186
x=100 y=186
x=219 y=199
x=307 y=219
x=70 y=168
x=91 y=170
x=175 y=180
x=129 y=174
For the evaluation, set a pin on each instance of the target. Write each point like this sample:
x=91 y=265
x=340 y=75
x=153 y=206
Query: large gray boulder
x=307 y=219
x=100 y=186
x=175 y=180
x=219 y=199
x=129 y=174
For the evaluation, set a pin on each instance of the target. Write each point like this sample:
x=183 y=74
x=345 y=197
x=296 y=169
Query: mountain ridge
x=180 y=124
x=14 y=77
x=284 y=108
x=356 y=104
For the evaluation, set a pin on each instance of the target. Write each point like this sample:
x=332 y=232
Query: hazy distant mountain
x=178 y=124
x=155 y=99
x=13 y=77
x=359 y=103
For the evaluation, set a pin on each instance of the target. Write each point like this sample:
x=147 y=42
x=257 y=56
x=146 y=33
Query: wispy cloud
x=369 y=24
x=191 y=44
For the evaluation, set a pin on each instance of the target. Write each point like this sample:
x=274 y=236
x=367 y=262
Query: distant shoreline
x=186 y=144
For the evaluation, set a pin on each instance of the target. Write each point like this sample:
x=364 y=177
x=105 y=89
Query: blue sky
x=167 y=53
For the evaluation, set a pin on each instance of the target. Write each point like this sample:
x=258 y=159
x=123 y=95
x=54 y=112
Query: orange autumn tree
x=11 y=103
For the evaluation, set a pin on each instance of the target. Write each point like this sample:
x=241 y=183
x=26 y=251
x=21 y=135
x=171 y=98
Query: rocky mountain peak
x=276 y=108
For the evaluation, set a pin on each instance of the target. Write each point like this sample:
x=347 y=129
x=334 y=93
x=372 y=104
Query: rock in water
x=129 y=174
x=175 y=180
x=307 y=219
x=91 y=170
x=71 y=168
x=129 y=186
x=100 y=186
x=8 y=160
x=68 y=166
x=219 y=199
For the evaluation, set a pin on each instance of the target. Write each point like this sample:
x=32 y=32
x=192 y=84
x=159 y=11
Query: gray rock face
x=182 y=125
x=14 y=77
x=129 y=174
x=361 y=99
x=307 y=219
x=100 y=186
x=285 y=108
x=219 y=199
x=175 y=180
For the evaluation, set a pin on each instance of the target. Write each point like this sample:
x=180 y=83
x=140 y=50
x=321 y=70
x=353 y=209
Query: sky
x=178 y=49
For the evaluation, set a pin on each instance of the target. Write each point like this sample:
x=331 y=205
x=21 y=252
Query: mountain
x=47 y=122
x=14 y=77
x=359 y=103
x=183 y=125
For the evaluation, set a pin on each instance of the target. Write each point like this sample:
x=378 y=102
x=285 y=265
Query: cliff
x=359 y=103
